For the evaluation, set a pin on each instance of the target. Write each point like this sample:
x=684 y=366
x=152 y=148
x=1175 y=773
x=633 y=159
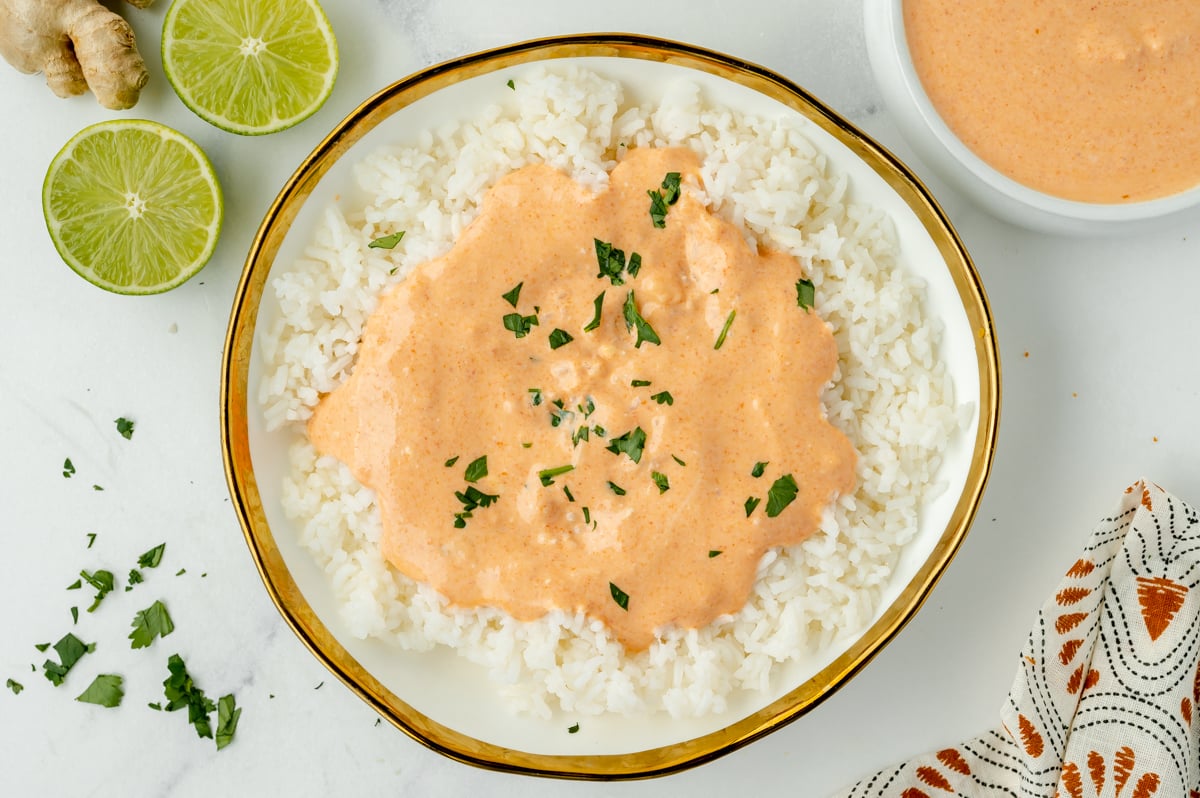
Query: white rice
x=891 y=395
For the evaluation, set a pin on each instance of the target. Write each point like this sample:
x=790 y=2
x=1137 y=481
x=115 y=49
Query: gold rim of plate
x=236 y=401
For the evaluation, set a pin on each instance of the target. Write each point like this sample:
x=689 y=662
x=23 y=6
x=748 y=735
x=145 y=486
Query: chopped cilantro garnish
x=751 y=503
x=152 y=558
x=631 y=443
x=725 y=330
x=105 y=690
x=527 y=445
x=182 y=692
x=152 y=622
x=70 y=650
x=560 y=338
x=670 y=187
x=15 y=686
x=661 y=481
x=714 y=553
x=68 y=468
x=511 y=85
x=124 y=427
x=598 y=305
x=512 y=296
x=477 y=470
x=611 y=262
x=547 y=476
x=677 y=460
x=635 y=264
x=573 y=729
x=664 y=398
x=615 y=488
x=599 y=430
x=634 y=319
x=806 y=294
x=587 y=408
x=451 y=461
x=535 y=396
x=619 y=596
x=228 y=714
x=386 y=242
x=782 y=493
x=587 y=516
x=660 y=200
x=103 y=582
x=640 y=383
x=519 y=325
x=567 y=493
x=472 y=498
x=578 y=435
x=759 y=468
x=91 y=536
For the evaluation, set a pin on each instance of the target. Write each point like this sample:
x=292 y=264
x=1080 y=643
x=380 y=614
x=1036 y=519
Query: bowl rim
x=236 y=402
x=993 y=179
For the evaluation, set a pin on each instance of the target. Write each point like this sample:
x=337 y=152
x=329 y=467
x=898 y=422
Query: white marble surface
x=1106 y=395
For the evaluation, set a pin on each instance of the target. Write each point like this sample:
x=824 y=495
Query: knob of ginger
x=78 y=44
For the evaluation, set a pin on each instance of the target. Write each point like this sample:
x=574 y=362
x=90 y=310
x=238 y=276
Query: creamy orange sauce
x=1092 y=101
x=438 y=376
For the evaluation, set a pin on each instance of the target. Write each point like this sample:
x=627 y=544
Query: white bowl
x=444 y=701
x=956 y=164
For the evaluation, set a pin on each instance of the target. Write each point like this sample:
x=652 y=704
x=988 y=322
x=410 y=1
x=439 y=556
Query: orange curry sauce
x=439 y=377
x=1093 y=101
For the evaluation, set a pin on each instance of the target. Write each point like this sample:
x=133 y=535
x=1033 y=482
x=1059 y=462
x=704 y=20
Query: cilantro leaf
x=751 y=503
x=227 y=719
x=634 y=319
x=670 y=187
x=658 y=209
x=619 y=596
x=124 y=427
x=512 y=296
x=512 y=86
x=615 y=488
x=635 y=264
x=68 y=468
x=70 y=650
x=547 y=476
x=535 y=396
x=477 y=469
x=610 y=260
x=103 y=581
x=781 y=494
x=451 y=461
x=519 y=325
x=759 y=468
x=631 y=443
x=152 y=558
x=598 y=305
x=152 y=622
x=714 y=553
x=725 y=330
x=639 y=383
x=661 y=481
x=677 y=460
x=15 y=686
x=664 y=398
x=135 y=578
x=560 y=338
x=806 y=294
x=105 y=690
x=182 y=692
x=386 y=242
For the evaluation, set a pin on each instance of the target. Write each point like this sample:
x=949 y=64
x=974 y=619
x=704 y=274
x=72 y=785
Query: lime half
x=132 y=206
x=250 y=66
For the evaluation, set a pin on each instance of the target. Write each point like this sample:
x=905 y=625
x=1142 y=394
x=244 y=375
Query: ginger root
x=78 y=44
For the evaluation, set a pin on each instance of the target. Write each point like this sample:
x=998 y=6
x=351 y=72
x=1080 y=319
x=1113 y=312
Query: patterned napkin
x=1107 y=698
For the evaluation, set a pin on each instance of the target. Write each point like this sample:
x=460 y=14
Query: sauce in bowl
x=1095 y=102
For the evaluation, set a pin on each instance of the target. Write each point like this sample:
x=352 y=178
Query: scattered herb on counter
x=512 y=296
x=70 y=650
x=74 y=615
x=386 y=242
x=661 y=481
x=759 y=468
x=714 y=553
x=477 y=469
x=782 y=493
x=615 y=488
x=664 y=398
x=560 y=338
x=97 y=487
x=228 y=715
x=135 y=578
x=181 y=572
x=152 y=622
x=547 y=475
x=91 y=536
x=640 y=383
x=319 y=686
x=573 y=729
x=677 y=460
x=806 y=294
x=15 y=686
x=41 y=646
x=519 y=325
x=619 y=596
x=124 y=427
x=152 y=558
x=451 y=461
x=103 y=581
x=634 y=319
x=182 y=692
x=78 y=583
x=598 y=305
x=105 y=690
x=751 y=503
x=512 y=86
x=631 y=443
x=68 y=468
x=725 y=330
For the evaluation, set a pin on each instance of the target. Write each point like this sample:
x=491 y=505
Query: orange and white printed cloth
x=1107 y=699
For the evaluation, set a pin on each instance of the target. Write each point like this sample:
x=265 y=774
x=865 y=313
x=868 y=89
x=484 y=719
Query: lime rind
x=104 y=170
x=250 y=67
